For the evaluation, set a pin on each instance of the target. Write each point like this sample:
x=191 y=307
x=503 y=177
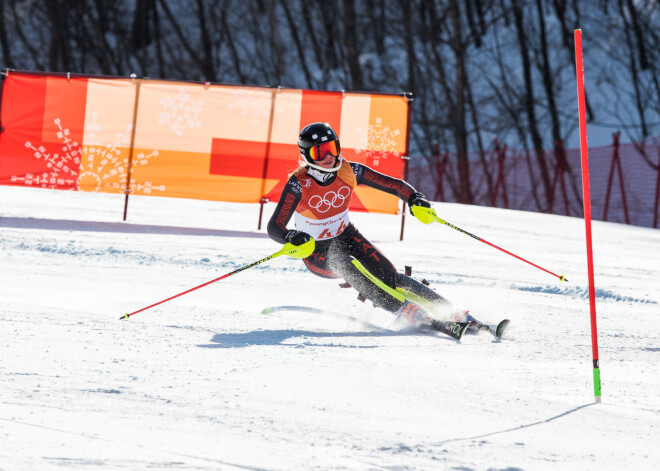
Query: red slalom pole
x=586 y=197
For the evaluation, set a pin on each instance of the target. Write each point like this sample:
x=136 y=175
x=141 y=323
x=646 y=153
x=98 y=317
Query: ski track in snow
x=320 y=380
x=583 y=293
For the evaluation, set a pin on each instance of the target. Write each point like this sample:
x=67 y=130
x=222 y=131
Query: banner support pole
x=128 y=190
x=406 y=163
x=263 y=200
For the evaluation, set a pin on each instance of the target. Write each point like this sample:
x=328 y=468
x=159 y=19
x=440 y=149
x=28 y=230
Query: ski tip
x=501 y=328
x=463 y=330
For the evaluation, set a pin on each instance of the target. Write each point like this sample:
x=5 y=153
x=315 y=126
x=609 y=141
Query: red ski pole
x=296 y=251
x=428 y=215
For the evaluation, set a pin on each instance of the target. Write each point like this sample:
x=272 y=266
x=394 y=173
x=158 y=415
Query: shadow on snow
x=520 y=427
x=122 y=227
x=305 y=338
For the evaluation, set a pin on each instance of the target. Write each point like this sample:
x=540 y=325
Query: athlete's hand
x=300 y=244
x=418 y=199
x=421 y=208
x=297 y=237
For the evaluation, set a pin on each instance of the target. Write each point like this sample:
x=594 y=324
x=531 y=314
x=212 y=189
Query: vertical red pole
x=440 y=164
x=615 y=154
x=437 y=166
x=551 y=203
x=505 y=193
x=496 y=147
x=586 y=196
x=562 y=155
x=623 y=189
x=441 y=175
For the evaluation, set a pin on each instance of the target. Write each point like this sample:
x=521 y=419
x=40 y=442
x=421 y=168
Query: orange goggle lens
x=319 y=152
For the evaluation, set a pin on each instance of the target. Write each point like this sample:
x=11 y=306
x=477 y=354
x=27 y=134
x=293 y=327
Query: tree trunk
x=635 y=77
x=208 y=64
x=293 y=29
x=529 y=100
x=546 y=73
x=460 y=129
x=350 y=40
x=6 y=49
x=410 y=45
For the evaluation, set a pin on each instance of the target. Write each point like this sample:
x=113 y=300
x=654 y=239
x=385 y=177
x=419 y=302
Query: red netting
x=624 y=180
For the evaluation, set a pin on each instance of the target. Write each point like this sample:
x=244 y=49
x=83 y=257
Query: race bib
x=322 y=229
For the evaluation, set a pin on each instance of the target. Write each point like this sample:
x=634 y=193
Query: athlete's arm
x=368 y=177
x=285 y=207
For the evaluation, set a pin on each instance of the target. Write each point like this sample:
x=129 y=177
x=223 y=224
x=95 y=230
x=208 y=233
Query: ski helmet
x=315 y=142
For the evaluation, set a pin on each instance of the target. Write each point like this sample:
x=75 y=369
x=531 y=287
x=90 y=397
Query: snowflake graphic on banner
x=63 y=167
x=106 y=164
x=90 y=166
x=248 y=103
x=381 y=141
x=180 y=112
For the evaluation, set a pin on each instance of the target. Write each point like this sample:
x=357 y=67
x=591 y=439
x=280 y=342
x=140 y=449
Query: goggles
x=320 y=151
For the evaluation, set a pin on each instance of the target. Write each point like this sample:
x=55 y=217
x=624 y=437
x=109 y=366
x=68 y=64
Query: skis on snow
x=452 y=328
x=496 y=330
x=416 y=315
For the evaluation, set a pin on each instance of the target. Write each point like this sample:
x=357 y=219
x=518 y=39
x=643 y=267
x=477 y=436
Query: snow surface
x=206 y=381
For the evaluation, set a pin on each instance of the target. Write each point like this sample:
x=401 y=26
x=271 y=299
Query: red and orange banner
x=185 y=140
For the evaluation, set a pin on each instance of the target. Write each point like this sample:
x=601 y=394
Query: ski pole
x=296 y=251
x=428 y=215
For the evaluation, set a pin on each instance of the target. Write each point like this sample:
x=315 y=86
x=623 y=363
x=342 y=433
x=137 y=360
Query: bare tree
x=351 y=45
x=529 y=99
x=5 y=46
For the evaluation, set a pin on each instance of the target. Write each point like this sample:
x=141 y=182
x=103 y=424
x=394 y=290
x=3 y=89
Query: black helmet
x=316 y=140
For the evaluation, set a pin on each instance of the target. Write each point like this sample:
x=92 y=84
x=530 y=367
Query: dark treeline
x=478 y=69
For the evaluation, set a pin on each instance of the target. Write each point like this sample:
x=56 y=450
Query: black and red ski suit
x=338 y=241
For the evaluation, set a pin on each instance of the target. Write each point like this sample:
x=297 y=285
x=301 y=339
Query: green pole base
x=597 y=384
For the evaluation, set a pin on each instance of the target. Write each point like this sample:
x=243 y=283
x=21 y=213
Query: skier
x=318 y=195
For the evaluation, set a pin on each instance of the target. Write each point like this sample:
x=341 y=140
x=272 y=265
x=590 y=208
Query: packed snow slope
x=323 y=381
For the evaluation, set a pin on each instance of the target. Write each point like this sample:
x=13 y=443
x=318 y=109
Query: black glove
x=418 y=199
x=297 y=237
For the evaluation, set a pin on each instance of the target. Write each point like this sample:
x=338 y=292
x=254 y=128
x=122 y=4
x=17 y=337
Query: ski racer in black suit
x=317 y=196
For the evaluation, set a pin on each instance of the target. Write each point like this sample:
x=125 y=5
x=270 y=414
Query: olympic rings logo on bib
x=329 y=200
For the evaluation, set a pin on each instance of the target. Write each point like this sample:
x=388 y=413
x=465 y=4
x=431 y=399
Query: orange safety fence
x=186 y=140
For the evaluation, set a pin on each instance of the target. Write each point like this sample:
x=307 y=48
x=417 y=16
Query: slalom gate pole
x=586 y=197
x=428 y=215
x=288 y=249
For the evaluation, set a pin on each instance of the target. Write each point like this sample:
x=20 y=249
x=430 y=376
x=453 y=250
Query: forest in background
x=478 y=69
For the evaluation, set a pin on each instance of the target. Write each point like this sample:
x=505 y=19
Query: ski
x=452 y=328
x=416 y=315
x=499 y=329
x=496 y=330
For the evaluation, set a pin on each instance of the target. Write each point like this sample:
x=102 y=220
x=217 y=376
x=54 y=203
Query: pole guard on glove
x=303 y=250
x=426 y=215
x=299 y=244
